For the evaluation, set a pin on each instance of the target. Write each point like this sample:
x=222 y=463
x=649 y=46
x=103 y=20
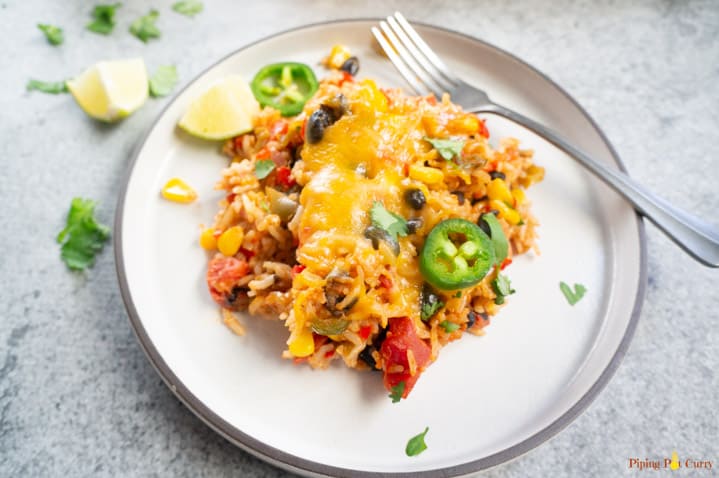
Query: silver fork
x=427 y=73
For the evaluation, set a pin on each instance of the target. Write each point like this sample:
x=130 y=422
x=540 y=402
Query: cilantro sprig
x=103 y=18
x=572 y=296
x=428 y=309
x=397 y=392
x=263 y=168
x=188 y=8
x=83 y=237
x=447 y=148
x=163 y=81
x=394 y=224
x=502 y=288
x=144 y=28
x=499 y=239
x=52 y=33
x=416 y=444
x=52 y=87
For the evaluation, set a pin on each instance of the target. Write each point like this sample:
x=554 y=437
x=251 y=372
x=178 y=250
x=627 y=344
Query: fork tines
x=413 y=58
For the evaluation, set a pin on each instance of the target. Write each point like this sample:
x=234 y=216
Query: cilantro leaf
x=263 y=168
x=496 y=234
x=572 y=296
x=397 y=392
x=416 y=444
x=52 y=87
x=189 y=8
x=83 y=237
x=104 y=18
x=502 y=288
x=429 y=309
x=447 y=148
x=144 y=27
x=163 y=81
x=52 y=33
x=448 y=326
x=394 y=224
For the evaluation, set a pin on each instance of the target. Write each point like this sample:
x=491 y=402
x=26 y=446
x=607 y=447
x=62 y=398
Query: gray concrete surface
x=78 y=397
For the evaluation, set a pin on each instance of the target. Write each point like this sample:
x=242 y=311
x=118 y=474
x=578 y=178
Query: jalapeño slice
x=284 y=86
x=456 y=254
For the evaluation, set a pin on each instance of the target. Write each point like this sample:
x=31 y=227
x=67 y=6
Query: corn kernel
x=519 y=196
x=178 y=190
x=230 y=241
x=505 y=212
x=303 y=344
x=425 y=174
x=466 y=124
x=533 y=175
x=497 y=189
x=208 y=241
x=338 y=55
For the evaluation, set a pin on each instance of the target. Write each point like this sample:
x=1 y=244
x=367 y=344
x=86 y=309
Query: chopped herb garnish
x=163 y=81
x=189 y=8
x=144 y=27
x=104 y=18
x=499 y=240
x=502 y=288
x=429 y=309
x=458 y=294
x=416 y=444
x=573 y=296
x=52 y=87
x=263 y=168
x=447 y=148
x=448 y=327
x=52 y=33
x=397 y=392
x=394 y=224
x=83 y=237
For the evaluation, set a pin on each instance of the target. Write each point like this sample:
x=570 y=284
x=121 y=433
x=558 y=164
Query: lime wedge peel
x=111 y=90
x=224 y=110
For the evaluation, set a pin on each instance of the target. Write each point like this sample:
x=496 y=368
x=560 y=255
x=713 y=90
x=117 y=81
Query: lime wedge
x=223 y=111
x=111 y=90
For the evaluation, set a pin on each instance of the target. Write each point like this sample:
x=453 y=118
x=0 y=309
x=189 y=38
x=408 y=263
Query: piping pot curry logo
x=671 y=463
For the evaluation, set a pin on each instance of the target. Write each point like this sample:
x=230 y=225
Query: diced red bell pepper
x=365 y=331
x=298 y=268
x=483 y=131
x=284 y=177
x=402 y=338
x=385 y=281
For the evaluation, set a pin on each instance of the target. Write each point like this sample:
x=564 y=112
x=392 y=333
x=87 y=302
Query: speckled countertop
x=79 y=398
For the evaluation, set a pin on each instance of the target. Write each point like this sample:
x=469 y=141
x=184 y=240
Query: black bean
x=351 y=65
x=366 y=357
x=414 y=224
x=471 y=318
x=316 y=125
x=460 y=196
x=484 y=226
x=336 y=107
x=497 y=174
x=415 y=198
x=376 y=234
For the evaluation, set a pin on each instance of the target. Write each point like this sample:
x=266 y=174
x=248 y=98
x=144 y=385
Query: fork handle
x=698 y=238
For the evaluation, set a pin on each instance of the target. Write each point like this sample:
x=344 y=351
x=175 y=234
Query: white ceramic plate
x=486 y=400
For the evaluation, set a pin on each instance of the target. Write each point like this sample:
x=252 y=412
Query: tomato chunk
x=402 y=338
x=222 y=276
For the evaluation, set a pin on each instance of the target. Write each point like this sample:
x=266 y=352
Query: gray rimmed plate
x=486 y=399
